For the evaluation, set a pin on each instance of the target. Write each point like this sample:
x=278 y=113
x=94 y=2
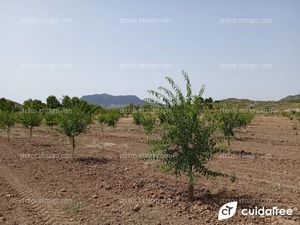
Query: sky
x=236 y=48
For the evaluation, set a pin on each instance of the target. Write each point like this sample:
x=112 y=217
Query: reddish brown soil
x=106 y=184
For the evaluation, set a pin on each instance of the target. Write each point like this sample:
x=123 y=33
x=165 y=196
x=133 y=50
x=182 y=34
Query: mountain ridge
x=111 y=101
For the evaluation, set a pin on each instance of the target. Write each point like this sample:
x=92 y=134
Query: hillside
x=291 y=98
x=111 y=101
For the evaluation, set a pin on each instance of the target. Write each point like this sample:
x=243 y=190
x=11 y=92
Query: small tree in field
x=187 y=139
x=137 y=118
x=72 y=124
x=232 y=119
x=111 y=118
x=51 y=119
x=30 y=119
x=7 y=120
x=53 y=102
x=148 y=122
x=101 y=119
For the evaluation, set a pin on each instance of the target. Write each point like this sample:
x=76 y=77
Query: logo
x=227 y=210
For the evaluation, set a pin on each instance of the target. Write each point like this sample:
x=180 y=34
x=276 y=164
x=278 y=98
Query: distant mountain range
x=111 y=101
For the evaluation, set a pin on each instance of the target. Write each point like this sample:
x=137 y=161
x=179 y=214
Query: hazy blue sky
x=80 y=47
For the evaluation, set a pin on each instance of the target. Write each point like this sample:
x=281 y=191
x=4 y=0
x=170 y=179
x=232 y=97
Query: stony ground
x=110 y=183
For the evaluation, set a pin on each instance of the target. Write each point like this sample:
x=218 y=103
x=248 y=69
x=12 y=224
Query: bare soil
x=110 y=183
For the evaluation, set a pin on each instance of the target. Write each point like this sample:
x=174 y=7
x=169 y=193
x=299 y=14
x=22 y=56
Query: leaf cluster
x=74 y=122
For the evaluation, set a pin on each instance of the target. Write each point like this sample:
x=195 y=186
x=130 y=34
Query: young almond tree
x=51 y=119
x=188 y=139
x=29 y=119
x=7 y=120
x=112 y=117
x=137 y=118
x=232 y=119
x=74 y=123
x=148 y=122
x=101 y=119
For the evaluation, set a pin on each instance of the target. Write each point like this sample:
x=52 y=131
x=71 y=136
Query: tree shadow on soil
x=245 y=154
x=92 y=160
x=223 y=197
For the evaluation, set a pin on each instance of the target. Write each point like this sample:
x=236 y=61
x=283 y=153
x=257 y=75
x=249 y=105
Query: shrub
x=7 y=120
x=187 y=138
x=30 y=119
x=72 y=124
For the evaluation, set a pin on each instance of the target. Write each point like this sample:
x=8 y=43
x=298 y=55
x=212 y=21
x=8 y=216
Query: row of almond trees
x=189 y=129
x=70 y=122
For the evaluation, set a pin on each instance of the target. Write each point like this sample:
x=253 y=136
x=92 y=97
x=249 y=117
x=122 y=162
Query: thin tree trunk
x=73 y=147
x=191 y=185
x=191 y=190
x=228 y=142
x=30 y=132
x=8 y=130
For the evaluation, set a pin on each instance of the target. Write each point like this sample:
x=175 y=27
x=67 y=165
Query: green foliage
x=187 y=137
x=34 y=105
x=7 y=105
x=231 y=119
x=162 y=117
x=53 y=102
x=129 y=109
x=88 y=108
x=101 y=118
x=74 y=123
x=112 y=117
x=67 y=102
x=7 y=120
x=137 y=118
x=291 y=114
x=109 y=117
x=148 y=122
x=51 y=119
x=29 y=119
x=71 y=103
